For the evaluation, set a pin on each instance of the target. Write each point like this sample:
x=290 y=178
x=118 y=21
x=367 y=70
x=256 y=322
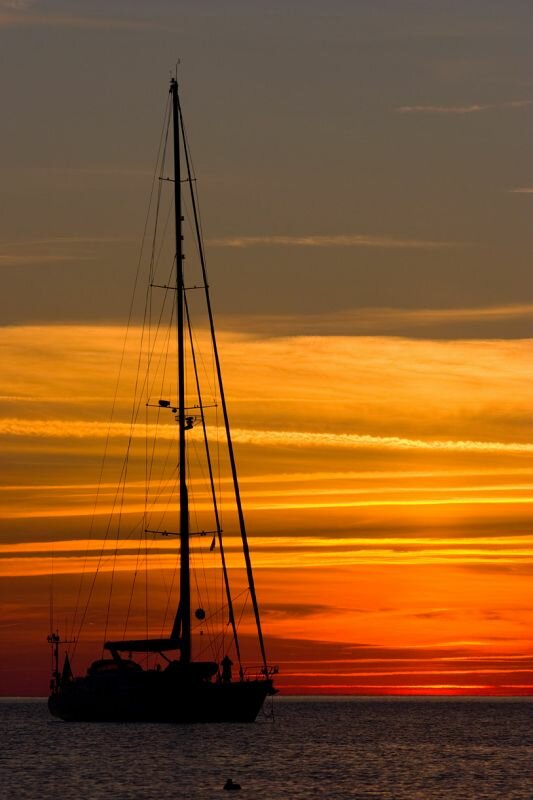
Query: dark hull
x=158 y=697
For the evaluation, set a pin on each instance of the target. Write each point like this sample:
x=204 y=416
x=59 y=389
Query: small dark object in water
x=231 y=786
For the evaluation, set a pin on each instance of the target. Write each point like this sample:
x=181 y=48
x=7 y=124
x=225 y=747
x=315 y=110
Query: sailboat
x=126 y=684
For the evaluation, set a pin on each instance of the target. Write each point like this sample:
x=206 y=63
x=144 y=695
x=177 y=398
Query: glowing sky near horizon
x=394 y=506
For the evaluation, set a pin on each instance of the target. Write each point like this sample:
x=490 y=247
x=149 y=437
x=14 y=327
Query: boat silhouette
x=185 y=689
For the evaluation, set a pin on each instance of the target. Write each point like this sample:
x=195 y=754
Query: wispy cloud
x=16 y=5
x=69 y=240
x=275 y=438
x=521 y=190
x=510 y=545
x=372 y=320
x=91 y=170
x=54 y=250
x=452 y=384
x=474 y=108
x=32 y=259
x=354 y=440
x=17 y=13
x=339 y=240
x=37 y=558
x=516 y=104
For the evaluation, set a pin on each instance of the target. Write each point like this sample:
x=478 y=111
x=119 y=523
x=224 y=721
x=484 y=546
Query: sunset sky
x=366 y=184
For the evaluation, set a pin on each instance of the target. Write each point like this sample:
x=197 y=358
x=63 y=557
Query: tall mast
x=182 y=623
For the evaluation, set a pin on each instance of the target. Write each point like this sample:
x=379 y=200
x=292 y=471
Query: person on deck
x=226 y=665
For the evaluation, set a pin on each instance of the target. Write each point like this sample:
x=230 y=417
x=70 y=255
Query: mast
x=182 y=623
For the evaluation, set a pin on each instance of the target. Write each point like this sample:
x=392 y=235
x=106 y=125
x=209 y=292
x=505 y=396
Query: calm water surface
x=393 y=749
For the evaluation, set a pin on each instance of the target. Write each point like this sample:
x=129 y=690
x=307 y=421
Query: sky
x=366 y=180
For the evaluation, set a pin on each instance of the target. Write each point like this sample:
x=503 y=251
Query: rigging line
x=150 y=293
x=115 y=556
x=134 y=579
x=198 y=238
x=138 y=559
x=213 y=647
x=121 y=493
x=157 y=523
x=120 y=502
x=132 y=592
x=169 y=596
x=217 y=648
x=165 y=489
x=198 y=555
x=158 y=333
x=192 y=180
x=191 y=226
x=158 y=203
x=161 y=366
x=207 y=590
x=147 y=323
x=173 y=578
x=219 y=461
x=145 y=514
x=242 y=525
x=151 y=459
x=211 y=381
x=115 y=396
x=146 y=333
x=122 y=479
x=100 y=559
x=214 y=619
x=139 y=548
x=162 y=242
x=167 y=588
x=164 y=485
x=149 y=302
x=52 y=590
x=217 y=621
x=247 y=592
x=212 y=483
x=209 y=377
x=146 y=608
x=146 y=388
x=110 y=595
x=158 y=368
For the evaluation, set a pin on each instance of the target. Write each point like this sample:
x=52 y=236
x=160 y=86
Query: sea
x=300 y=748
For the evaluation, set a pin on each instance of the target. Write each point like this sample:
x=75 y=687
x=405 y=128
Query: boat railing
x=258 y=672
